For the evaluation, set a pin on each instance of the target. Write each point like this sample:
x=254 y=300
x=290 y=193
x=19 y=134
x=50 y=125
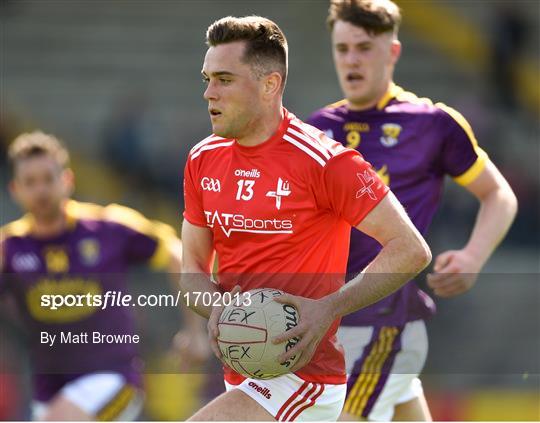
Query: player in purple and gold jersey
x=76 y=251
x=413 y=144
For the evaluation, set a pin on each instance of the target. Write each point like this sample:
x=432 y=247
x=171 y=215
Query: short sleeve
x=193 y=209
x=462 y=158
x=350 y=187
x=145 y=240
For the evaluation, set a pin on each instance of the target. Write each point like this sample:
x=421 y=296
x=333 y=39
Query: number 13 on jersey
x=245 y=189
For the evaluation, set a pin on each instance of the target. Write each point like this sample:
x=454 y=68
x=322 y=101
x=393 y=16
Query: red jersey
x=281 y=213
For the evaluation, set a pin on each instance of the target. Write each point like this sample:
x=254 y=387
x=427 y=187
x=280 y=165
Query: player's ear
x=12 y=187
x=395 y=51
x=69 y=181
x=272 y=84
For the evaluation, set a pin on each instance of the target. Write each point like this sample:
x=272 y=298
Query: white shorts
x=105 y=396
x=383 y=364
x=289 y=398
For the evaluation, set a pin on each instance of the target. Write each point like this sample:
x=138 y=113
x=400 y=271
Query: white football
x=246 y=331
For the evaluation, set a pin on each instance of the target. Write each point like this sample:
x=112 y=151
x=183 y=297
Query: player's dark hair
x=266 y=45
x=34 y=144
x=375 y=16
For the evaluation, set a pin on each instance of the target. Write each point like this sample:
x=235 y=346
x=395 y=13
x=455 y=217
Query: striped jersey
x=413 y=144
x=280 y=214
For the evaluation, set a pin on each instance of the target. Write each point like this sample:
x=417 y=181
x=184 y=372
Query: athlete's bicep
x=489 y=180
x=198 y=248
x=388 y=220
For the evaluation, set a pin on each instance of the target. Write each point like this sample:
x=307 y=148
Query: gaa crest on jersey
x=282 y=190
x=210 y=184
x=390 y=134
x=56 y=259
x=89 y=251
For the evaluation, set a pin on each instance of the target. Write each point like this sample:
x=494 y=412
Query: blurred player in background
x=273 y=196
x=63 y=247
x=413 y=144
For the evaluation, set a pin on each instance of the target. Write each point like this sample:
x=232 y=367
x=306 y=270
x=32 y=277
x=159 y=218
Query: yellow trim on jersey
x=118 y=404
x=474 y=171
x=337 y=104
x=162 y=233
x=392 y=92
x=371 y=372
x=395 y=91
x=132 y=219
x=460 y=119
x=18 y=228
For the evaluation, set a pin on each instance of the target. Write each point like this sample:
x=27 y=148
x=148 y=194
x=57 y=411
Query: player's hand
x=455 y=272
x=192 y=348
x=213 y=320
x=315 y=319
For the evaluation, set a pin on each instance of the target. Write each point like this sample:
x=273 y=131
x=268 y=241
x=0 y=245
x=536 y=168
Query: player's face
x=364 y=63
x=40 y=186
x=233 y=91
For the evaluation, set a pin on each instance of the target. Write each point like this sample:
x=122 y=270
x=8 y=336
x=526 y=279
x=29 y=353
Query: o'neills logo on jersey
x=253 y=173
x=231 y=222
x=265 y=392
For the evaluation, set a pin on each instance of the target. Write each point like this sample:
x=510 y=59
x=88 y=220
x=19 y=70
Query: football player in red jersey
x=271 y=195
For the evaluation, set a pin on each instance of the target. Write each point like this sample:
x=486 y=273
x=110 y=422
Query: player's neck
x=263 y=128
x=359 y=106
x=51 y=226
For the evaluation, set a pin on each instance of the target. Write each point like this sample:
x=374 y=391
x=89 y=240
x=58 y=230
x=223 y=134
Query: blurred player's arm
x=197 y=261
x=457 y=270
x=158 y=245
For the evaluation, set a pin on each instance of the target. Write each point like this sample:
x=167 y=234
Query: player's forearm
x=193 y=284
x=174 y=266
x=398 y=262
x=495 y=216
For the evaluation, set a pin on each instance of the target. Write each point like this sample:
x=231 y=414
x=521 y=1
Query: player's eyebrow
x=366 y=43
x=218 y=73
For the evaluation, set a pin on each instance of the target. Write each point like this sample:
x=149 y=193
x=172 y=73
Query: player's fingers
x=297 y=349
x=435 y=279
x=305 y=358
x=442 y=260
x=236 y=290
x=456 y=282
x=451 y=287
x=215 y=348
x=449 y=292
x=289 y=299
x=213 y=320
x=291 y=333
x=302 y=361
x=214 y=344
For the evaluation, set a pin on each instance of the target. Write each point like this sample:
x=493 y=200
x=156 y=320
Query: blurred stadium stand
x=73 y=67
